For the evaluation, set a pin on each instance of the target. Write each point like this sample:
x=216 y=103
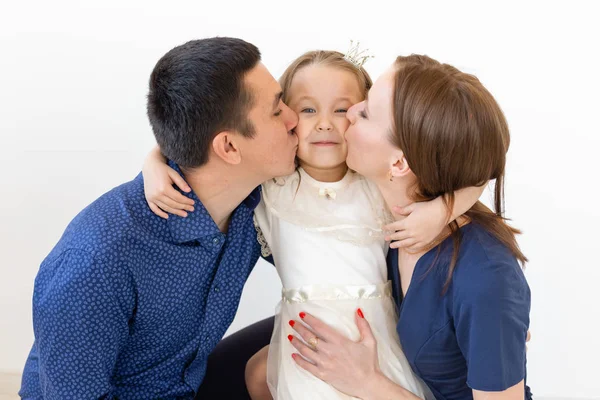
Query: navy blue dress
x=473 y=335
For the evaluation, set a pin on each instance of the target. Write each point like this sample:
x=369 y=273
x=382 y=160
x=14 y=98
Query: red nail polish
x=290 y=337
x=360 y=313
x=292 y=323
x=294 y=356
x=302 y=314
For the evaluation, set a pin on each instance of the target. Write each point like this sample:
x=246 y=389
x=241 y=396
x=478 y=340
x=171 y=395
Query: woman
x=427 y=130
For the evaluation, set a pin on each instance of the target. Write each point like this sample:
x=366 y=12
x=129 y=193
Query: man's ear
x=226 y=146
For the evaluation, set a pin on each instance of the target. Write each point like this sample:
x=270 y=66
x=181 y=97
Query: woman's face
x=370 y=151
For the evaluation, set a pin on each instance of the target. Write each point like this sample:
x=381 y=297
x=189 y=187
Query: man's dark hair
x=196 y=91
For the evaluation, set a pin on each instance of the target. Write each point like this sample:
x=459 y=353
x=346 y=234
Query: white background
x=73 y=81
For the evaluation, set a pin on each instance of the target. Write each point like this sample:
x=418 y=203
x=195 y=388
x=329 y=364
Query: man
x=128 y=305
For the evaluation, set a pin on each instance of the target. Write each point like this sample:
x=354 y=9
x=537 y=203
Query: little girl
x=323 y=227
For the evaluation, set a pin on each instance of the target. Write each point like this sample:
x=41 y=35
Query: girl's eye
x=308 y=110
x=341 y=110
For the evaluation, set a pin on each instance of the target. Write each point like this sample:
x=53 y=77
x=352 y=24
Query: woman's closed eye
x=341 y=110
x=362 y=114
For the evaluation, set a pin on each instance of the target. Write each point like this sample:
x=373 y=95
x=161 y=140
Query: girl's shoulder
x=351 y=209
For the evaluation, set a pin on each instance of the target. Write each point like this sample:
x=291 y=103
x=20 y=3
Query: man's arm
x=79 y=327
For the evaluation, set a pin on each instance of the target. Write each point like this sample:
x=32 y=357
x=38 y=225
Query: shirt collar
x=199 y=224
x=253 y=198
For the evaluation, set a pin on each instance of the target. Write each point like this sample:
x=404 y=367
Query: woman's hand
x=423 y=224
x=158 y=187
x=349 y=366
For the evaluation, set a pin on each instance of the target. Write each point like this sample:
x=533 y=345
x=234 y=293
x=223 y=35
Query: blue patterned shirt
x=129 y=305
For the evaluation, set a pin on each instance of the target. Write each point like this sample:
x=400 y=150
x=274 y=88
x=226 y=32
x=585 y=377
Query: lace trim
x=299 y=202
x=265 y=250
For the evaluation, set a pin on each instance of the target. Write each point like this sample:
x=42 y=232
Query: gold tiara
x=356 y=56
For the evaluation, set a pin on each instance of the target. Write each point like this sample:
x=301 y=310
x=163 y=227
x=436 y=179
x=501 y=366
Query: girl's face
x=370 y=151
x=321 y=95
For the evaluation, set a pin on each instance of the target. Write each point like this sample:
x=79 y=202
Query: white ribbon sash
x=347 y=292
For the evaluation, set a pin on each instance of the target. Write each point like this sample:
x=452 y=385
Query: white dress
x=330 y=253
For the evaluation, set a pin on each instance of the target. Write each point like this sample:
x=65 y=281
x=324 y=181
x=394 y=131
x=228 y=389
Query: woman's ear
x=399 y=166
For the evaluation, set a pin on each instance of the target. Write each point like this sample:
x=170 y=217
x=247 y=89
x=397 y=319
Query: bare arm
x=424 y=221
x=349 y=366
x=464 y=200
x=160 y=194
x=512 y=393
x=382 y=388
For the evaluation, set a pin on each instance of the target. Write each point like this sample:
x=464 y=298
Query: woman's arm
x=490 y=308
x=349 y=366
x=512 y=393
x=498 y=305
x=382 y=388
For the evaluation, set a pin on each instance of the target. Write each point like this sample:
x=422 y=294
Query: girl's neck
x=334 y=174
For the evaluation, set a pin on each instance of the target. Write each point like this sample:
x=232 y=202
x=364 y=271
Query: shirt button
x=216 y=240
x=216 y=289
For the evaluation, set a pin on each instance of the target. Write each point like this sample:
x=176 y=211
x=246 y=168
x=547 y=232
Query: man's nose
x=292 y=118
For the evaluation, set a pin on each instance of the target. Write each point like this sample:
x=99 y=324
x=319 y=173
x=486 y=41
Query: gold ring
x=313 y=342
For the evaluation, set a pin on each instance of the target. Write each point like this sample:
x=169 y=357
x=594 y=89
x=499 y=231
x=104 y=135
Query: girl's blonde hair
x=325 y=58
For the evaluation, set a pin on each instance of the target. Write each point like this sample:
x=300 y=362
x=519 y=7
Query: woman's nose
x=351 y=113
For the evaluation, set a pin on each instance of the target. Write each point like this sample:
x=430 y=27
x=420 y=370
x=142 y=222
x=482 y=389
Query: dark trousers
x=227 y=363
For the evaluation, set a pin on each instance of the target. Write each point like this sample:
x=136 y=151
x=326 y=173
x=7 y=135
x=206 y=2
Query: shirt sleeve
x=491 y=314
x=79 y=328
x=30 y=382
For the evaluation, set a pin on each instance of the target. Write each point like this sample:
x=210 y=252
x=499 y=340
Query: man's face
x=272 y=150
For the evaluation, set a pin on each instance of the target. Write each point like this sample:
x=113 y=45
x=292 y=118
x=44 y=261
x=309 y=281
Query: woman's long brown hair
x=454 y=135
